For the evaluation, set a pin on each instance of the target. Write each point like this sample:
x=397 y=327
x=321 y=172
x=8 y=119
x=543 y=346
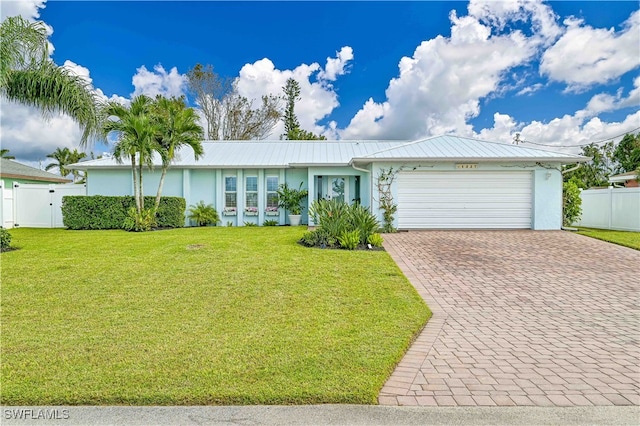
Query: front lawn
x=198 y=316
x=623 y=238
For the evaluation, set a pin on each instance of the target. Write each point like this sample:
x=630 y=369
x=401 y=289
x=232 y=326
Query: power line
x=578 y=145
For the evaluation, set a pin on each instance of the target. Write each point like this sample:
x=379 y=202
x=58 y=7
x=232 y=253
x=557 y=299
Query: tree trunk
x=141 y=192
x=159 y=194
x=135 y=182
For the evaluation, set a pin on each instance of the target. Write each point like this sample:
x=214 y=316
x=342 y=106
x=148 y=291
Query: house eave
x=563 y=160
x=36 y=178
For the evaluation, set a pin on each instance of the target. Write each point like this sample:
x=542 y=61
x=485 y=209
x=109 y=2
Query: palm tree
x=65 y=157
x=136 y=132
x=177 y=127
x=4 y=154
x=61 y=156
x=76 y=157
x=28 y=76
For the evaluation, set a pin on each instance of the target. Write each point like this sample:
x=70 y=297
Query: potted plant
x=203 y=214
x=291 y=199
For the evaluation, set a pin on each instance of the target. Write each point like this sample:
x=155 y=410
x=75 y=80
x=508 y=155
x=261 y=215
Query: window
x=251 y=192
x=230 y=190
x=272 y=194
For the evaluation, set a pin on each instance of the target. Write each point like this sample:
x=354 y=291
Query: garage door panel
x=467 y=199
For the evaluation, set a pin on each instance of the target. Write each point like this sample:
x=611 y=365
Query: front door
x=338 y=188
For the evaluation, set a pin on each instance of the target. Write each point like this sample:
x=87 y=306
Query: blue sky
x=559 y=73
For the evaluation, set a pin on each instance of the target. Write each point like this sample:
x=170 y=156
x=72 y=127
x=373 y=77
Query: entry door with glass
x=338 y=188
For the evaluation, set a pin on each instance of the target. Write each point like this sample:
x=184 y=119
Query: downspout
x=571 y=169
x=371 y=185
x=567 y=228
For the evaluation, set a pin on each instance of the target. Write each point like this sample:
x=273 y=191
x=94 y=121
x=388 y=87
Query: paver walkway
x=544 y=318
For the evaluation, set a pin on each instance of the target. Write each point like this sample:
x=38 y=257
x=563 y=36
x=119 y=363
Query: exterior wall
x=547 y=191
x=109 y=182
x=547 y=199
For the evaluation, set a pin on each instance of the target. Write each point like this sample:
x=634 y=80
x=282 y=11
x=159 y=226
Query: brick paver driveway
x=520 y=318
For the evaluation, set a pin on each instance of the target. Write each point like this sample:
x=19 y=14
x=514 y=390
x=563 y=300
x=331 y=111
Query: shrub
x=139 y=222
x=361 y=219
x=318 y=238
x=375 y=240
x=270 y=223
x=350 y=239
x=106 y=212
x=203 y=214
x=250 y=224
x=5 y=239
x=335 y=219
x=571 y=202
x=331 y=216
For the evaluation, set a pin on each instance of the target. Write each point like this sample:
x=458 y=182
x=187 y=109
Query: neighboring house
x=13 y=172
x=442 y=182
x=629 y=179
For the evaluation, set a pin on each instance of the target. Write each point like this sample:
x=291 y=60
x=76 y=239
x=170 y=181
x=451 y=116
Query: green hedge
x=103 y=212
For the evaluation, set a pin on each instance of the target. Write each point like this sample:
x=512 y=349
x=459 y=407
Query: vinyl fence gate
x=39 y=206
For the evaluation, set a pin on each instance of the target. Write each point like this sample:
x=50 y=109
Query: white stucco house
x=443 y=182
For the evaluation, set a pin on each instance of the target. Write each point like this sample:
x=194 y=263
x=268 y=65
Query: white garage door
x=459 y=200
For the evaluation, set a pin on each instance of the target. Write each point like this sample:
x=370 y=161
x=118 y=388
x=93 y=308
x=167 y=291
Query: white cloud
x=529 y=90
x=79 y=70
x=158 y=82
x=317 y=98
x=28 y=136
x=440 y=87
x=562 y=133
x=584 y=55
x=29 y=9
x=338 y=65
x=499 y=13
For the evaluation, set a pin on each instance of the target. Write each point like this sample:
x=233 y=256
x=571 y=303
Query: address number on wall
x=466 y=166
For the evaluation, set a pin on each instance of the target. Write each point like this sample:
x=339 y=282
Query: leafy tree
x=64 y=157
x=177 y=126
x=61 y=157
x=291 y=125
x=28 y=76
x=230 y=116
x=243 y=122
x=627 y=153
x=4 y=153
x=596 y=172
x=136 y=132
x=571 y=201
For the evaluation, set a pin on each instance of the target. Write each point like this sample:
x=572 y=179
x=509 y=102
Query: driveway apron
x=528 y=318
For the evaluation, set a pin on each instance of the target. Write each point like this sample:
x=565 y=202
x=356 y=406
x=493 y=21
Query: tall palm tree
x=28 y=76
x=4 y=153
x=135 y=131
x=61 y=157
x=75 y=157
x=177 y=127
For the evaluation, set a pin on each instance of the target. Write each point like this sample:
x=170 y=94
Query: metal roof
x=461 y=148
x=12 y=169
x=623 y=177
x=280 y=154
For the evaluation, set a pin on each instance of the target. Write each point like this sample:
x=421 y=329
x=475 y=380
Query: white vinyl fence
x=611 y=208
x=35 y=205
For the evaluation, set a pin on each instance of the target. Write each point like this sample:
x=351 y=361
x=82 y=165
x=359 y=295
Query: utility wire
x=578 y=145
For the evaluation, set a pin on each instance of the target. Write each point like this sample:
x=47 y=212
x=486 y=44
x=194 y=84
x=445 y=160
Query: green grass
x=623 y=238
x=198 y=316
